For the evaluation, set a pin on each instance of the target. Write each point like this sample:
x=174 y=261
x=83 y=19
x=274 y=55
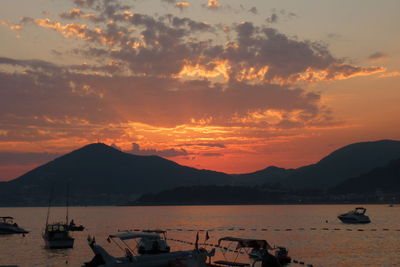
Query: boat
x=76 y=227
x=190 y=258
x=257 y=250
x=56 y=235
x=153 y=242
x=281 y=253
x=73 y=227
x=355 y=216
x=8 y=226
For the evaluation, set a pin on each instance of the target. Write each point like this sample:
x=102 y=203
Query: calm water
x=319 y=247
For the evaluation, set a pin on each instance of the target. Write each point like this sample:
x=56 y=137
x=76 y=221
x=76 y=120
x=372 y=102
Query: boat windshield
x=55 y=227
x=360 y=211
x=8 y=220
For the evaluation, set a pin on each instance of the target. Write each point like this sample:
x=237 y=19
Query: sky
x=232 y=86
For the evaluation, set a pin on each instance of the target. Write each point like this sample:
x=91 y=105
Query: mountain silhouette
x=346 y=162
x=385 y=179
x=209 y=195
x=98 y=173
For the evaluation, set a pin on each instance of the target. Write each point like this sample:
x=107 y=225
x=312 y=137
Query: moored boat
x=257 y=250
x=57 y=235
x=8 y=226
x=355 y=216
x=152 y=242
x=73 y=227
x=189 y=258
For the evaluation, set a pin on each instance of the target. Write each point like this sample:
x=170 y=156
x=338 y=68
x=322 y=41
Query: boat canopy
x=129 y=235
x=155 y=231
x=246 y=243
x=360 y=210
x=7 y=219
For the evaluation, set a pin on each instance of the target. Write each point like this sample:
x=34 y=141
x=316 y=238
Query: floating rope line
x=226 y=249
x=277 y=229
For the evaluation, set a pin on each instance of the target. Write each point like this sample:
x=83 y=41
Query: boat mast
x=48 y=208
x=66 y=217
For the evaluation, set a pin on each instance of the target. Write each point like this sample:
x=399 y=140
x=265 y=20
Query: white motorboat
x=190 y=258
x=8 y=226
x=355 y=216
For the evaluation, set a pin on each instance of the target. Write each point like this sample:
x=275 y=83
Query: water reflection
x=319 y=247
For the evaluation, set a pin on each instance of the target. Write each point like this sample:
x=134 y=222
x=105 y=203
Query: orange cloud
x=182 y=5
x=81 y=31
x=214 y=69
x=10 y=25
x=213 y=3
x=390 y=74
x=76 y=13
x=332 y=73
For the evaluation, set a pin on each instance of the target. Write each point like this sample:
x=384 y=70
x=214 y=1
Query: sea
x=312 y=233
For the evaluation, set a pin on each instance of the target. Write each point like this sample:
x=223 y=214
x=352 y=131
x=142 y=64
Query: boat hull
x=54 y=244
x=76 y=228
x=351 y=220
x=177 y=258
x=10 y=229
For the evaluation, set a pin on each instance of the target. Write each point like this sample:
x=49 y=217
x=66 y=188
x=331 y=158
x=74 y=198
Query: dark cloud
x=61 y=98
x=33 y=63
x=253 y=10
x=137 y=69
x=86 y=3
x=206 y=145
x=272 y=19
x=334 y=36
x=278 y=15
x=25 y=158
x=165 y=45
x=212 y=154
x=162 y=153
x=377 y=56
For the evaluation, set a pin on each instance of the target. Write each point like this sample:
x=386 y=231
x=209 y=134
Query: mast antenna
x=48 y=208
x=66 y=217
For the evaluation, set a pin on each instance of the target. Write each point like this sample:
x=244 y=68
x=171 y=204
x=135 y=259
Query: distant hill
x=209 y=195
x=385 y=179
x=100 y=174
x=269 y=175
x=344 y=163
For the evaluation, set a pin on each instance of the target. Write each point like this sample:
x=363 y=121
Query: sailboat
x=56 y=235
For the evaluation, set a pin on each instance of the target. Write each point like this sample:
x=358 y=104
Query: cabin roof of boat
x=129 y=235
x=246 y=243
x=155 y=231
x=6 y=217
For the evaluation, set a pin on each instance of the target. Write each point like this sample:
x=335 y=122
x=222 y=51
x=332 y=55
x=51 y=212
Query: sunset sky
x=232 y=85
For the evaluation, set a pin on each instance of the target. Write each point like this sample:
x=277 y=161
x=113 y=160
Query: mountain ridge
x=98 y=174
x=343 y=163
x=97 y=169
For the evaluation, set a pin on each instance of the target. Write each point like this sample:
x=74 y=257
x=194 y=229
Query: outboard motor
x=282 y=255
